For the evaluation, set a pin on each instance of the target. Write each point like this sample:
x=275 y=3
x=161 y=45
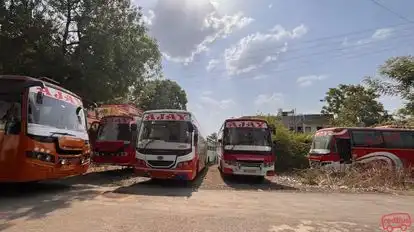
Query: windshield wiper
x=148 y=143
x=60 y=133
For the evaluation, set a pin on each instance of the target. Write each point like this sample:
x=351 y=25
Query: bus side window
x=367 y=138
x=403 y=139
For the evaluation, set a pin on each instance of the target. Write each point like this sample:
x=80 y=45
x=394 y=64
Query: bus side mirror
x=195 y=138
x=134 y=127
x=190 y=127
x=39 y=97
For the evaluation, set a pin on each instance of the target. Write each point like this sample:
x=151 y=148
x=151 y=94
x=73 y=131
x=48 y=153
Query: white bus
x=170 y=145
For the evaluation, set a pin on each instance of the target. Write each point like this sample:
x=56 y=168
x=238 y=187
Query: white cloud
x=378 y=35
x=148 y=18
x=270 y=6
x=212 y=64
x=211 y=112
x=186 y=28
x=269 y=103
x=256 y=50
x=260 y=77
x=217 y=104
x=308 y=80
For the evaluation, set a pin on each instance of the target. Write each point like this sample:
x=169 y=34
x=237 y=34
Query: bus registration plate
x=250 y=171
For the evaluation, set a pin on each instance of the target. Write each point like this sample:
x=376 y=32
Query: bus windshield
x=247 y=136
x=167 y=131
x=321 y=142
x=55 y=113
x=112 y=131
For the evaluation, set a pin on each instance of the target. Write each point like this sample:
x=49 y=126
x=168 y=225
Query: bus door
x=343 y=147
x=10 y=127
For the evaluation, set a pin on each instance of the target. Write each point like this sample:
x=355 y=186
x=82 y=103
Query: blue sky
x=240 y=57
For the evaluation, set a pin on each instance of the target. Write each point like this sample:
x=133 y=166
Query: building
x=308 y=123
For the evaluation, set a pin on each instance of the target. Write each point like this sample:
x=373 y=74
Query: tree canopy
x=99 y=49
x=354 y=105
x=161 y=94
x=396 y=77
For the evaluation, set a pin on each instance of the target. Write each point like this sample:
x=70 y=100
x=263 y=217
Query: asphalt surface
x=66 y=206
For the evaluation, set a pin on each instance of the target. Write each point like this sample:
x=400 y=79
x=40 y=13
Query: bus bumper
x=164 y=173
x=235 y=170
x=34 y=171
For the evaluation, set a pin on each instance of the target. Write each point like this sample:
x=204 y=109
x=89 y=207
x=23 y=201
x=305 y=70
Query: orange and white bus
x=170 y=145
x=43 y=131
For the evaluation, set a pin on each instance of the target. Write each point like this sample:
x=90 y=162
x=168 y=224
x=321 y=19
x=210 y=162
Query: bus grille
x=160 y=163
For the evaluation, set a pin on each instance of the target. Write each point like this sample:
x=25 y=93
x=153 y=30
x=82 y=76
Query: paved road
x=144 y=208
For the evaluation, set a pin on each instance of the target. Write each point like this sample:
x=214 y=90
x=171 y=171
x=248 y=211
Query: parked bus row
x=43 y=135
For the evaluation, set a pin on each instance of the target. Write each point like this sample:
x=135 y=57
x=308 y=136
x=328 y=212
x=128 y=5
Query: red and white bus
x=116 y=140
x=246 y=148
x=170 y=145
x=339 y=147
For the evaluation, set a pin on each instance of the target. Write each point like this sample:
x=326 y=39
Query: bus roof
x=337 y=129
x=167 y=110
x=48 y=83
x=245 y=119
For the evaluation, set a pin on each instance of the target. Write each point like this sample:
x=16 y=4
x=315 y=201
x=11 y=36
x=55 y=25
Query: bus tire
x=260 y=179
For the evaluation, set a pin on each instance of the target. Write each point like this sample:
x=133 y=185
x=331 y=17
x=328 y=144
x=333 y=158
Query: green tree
x=99 y=49
x=354 y=105
x=396 y=78
x=161 y=94
x=212 y=137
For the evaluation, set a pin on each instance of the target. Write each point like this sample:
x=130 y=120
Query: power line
x=391 y=11
x=408 y=36
x=295 y=49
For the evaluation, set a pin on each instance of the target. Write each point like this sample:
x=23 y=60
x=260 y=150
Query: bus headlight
x=231 y=162
x=42 y=156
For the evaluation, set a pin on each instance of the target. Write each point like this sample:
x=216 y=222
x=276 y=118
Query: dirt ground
x=209 y=179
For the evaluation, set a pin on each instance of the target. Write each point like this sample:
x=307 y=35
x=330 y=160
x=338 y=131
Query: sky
x=243 y=57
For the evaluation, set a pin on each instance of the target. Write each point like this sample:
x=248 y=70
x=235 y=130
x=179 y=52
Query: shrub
x=291 y=148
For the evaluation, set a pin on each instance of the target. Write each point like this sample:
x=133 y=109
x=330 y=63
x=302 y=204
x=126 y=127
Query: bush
x=291 y=148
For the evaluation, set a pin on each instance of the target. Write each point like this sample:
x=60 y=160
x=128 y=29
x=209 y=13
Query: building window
x=319 y=127
x=308 y=129
x=300 y=129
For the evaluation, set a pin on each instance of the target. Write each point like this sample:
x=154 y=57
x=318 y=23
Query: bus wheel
x=260 y=179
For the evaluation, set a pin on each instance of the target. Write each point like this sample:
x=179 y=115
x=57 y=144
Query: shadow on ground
x=36 y=200
x=154 y=187
x=32 y=201
x=253 y=183
x=102 y=178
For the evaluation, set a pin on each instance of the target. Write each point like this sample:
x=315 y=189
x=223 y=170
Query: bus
x=338 y=148
x=211 y=152
x=116 y=135
x=246 y=148
x=170 y=145
x=43 y=132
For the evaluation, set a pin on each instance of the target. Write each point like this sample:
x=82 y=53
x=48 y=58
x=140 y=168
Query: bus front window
x=56 y=114
x=112 y=131
x=247 y=136
x=321 y=144
x=167 y=131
